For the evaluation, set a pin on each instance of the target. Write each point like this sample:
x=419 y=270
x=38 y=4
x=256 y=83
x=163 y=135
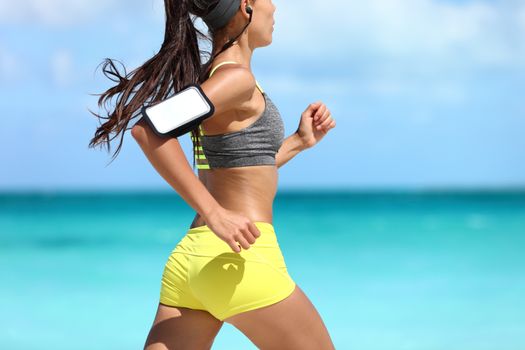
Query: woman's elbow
x=138 y=131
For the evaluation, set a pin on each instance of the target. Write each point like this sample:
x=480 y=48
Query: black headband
x=222 y=13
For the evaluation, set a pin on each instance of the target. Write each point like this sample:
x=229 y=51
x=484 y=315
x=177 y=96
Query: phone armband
x=179 y=113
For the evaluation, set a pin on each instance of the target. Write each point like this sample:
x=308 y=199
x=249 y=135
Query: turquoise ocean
x=386 y=270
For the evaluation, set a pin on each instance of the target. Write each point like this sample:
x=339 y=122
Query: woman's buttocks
x=246 y=190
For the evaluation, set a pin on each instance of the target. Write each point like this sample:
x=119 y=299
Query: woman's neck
x=239 y=52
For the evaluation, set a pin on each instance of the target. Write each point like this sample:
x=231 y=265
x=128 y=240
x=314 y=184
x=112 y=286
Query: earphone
x=249 y=9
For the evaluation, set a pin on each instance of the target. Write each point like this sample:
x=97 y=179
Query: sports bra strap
x=226 y=62
x=220 y=64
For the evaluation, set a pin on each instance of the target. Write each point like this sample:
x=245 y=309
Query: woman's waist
x=249 y=191
x=253 y=175
x=253 y=213
x=202 y=241
x=257 y=191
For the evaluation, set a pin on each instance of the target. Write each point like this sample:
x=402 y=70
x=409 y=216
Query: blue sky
x=426 y=93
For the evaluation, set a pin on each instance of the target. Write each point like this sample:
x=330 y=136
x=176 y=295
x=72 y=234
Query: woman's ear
x=247 y=7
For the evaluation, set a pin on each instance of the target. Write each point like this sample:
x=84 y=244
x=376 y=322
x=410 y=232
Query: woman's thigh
x=180 y=328
x=292 y=323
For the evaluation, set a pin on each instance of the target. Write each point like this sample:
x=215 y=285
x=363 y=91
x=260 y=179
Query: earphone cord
x=230 y=42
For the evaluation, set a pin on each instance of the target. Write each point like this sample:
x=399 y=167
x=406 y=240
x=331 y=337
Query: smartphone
x=179 y=113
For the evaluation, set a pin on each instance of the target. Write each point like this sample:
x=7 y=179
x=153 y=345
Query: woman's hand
x=315 y=122
x=232 y=228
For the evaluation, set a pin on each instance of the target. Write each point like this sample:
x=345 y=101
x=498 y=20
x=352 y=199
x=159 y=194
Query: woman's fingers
x=324 y=117
x=320 y=112
x=254 y=230
x=326 y=122
x=234 y=245
x=242 y=241
x=312 y=108
x=243 y=234
x=249 y=237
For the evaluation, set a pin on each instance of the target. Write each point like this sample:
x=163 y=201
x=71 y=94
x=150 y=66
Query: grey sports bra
x=255 y=144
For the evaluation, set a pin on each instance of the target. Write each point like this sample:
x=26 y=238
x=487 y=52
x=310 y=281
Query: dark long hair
x=177 y=64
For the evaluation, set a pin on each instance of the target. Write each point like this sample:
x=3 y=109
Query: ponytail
x=176 y=65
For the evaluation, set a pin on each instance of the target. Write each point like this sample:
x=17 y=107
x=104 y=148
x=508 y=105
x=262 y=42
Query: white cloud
x=53 y=12
x=62 y=67
x=471 y=31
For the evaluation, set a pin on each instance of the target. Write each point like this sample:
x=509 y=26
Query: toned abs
x=246 y=190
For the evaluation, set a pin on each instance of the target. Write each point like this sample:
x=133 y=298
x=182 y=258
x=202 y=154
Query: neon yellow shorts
x=204 y=273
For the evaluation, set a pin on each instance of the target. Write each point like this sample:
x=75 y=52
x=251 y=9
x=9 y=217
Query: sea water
x=386 y=271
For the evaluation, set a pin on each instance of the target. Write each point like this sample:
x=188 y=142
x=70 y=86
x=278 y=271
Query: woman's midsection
x=248 y=190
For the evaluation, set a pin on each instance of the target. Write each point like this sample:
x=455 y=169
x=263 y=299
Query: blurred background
x=405 y=225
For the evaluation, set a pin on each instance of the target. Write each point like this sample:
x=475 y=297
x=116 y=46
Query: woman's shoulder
x=231 y=85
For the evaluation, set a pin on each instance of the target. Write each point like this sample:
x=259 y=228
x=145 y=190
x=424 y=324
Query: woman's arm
x=168 y=158
x=291 y=146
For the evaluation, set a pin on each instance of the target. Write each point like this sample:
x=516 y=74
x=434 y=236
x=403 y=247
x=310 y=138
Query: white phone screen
x=179 y=109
